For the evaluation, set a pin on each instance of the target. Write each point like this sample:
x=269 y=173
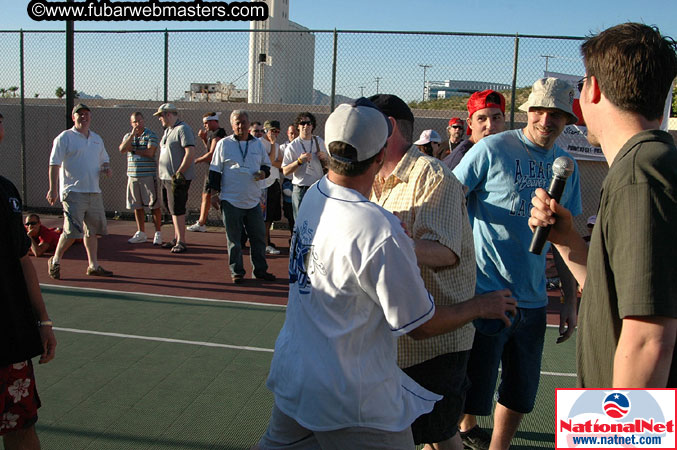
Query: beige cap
x=552 y=93
x=166 y=107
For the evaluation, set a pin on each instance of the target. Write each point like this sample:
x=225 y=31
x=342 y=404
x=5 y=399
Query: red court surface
x=201 y=272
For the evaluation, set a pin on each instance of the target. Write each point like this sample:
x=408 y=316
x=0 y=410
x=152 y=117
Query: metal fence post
x=166 y=94
x=24 y=183
x=514 y=81
x=70 y=72
x=333 y=72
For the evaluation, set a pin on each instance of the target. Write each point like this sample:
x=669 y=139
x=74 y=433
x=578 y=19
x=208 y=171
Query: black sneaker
x=266 y=276
x=475 y=438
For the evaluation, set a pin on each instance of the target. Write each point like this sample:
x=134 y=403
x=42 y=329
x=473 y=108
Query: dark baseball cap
x=79 y=107
x=393 y=106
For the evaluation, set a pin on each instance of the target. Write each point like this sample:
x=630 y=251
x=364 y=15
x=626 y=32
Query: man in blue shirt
x=502 y=172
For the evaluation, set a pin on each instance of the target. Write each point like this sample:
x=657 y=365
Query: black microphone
x=562 y=169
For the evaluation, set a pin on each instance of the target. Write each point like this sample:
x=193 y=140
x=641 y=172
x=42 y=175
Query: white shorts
x=142 y=192
x=285 y=433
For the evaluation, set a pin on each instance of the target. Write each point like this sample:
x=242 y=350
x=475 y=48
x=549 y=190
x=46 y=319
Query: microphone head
x=563 y=167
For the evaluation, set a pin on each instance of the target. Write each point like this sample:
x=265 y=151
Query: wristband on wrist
x=300 y=163
x=45 y=323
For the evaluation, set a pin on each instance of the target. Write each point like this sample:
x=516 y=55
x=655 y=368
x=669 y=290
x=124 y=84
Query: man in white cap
x=348 y=304
x=78 y=158
x=429 y=142
x=502 y=171
x=176 y=169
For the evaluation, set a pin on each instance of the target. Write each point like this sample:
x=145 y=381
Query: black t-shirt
x=218 y=133
x=19 y=335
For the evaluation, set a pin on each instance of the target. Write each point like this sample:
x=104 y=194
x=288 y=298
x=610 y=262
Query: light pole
x=425 y=67
x=362 y=91
x=377 y=80
x=547 y=57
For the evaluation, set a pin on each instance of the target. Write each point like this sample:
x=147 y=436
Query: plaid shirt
x=430 y=201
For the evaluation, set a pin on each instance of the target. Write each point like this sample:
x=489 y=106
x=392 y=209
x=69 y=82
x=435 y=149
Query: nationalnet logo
x=606 y=418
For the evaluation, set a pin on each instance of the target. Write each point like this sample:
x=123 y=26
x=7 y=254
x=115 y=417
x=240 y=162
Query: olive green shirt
x=631 y=269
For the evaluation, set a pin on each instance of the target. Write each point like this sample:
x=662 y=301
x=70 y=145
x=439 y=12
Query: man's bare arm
x=187 y=159
x=38 y=305
x=53 y=193
x=568 y=314
x=644 y=352
x=492 y=305
x=433 y=254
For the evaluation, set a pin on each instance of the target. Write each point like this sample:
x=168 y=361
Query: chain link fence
x=272 y=74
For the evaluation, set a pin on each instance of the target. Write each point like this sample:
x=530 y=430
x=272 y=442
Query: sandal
x=180 y=247
x=169 y=244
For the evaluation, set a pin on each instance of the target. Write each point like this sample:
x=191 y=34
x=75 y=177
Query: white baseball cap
x=428 y=136
x=359 y=124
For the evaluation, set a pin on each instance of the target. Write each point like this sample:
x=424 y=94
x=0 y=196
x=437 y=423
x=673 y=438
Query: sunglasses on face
x=456 y=127
x=31 y=223
x=305 y=122
x=580 y=84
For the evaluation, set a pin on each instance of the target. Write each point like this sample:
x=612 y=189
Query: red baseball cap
x=479 y=101
x=455 y=121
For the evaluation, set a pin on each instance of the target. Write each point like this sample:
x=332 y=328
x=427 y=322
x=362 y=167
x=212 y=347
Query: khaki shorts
x=83 y=215
x=142 y=192
x=285 y=433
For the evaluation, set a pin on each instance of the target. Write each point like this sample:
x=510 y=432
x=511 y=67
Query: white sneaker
x=157 y=240
x=138 y=238
x=197 y=227
x=272 y=250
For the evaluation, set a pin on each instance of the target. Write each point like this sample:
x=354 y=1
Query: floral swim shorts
x=19 y=401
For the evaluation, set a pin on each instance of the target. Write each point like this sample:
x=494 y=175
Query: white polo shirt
x=354 y=288
x=80 y=158
x=237 y=162
x=309 y=172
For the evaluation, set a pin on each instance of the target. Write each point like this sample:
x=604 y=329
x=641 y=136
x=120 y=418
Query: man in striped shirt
x=140 y=145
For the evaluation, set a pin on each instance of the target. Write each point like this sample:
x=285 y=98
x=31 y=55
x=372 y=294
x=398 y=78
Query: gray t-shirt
x=172 y=152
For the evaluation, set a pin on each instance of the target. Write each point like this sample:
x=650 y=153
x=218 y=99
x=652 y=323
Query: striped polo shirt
x=141 y=166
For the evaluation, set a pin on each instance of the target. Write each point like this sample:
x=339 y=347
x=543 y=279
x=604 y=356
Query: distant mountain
x=324 y=100
x=86 y=96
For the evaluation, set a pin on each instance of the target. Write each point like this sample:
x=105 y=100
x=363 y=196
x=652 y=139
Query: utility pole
x=377 y=80
x=362 y=91
x=547 y=57
x=425 y=67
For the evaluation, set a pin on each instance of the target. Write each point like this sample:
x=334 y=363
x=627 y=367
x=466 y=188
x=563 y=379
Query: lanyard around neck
x=304 y=147
x=246 y=150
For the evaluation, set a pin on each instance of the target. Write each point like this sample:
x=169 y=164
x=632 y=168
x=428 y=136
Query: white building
x=452 y=88
x=215 y=92
x=281 y=65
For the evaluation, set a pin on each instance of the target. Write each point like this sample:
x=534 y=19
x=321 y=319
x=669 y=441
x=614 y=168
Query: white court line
x=199 y=299
x=214 y=344
x=160 y=339
x=205 y=344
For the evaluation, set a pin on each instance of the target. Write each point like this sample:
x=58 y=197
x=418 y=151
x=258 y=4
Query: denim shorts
x=445 y=375
x=518 y=349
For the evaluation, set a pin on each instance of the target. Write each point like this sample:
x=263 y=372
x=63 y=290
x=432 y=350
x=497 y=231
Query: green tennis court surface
x=136 y=371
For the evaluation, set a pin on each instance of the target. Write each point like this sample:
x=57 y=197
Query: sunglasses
x=30 y=224
x=259 y=131
x=456 y=127
x=305 y=122
x=580 y=84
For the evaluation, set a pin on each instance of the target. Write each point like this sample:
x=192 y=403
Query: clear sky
x=394 y=60
x=566 y=18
